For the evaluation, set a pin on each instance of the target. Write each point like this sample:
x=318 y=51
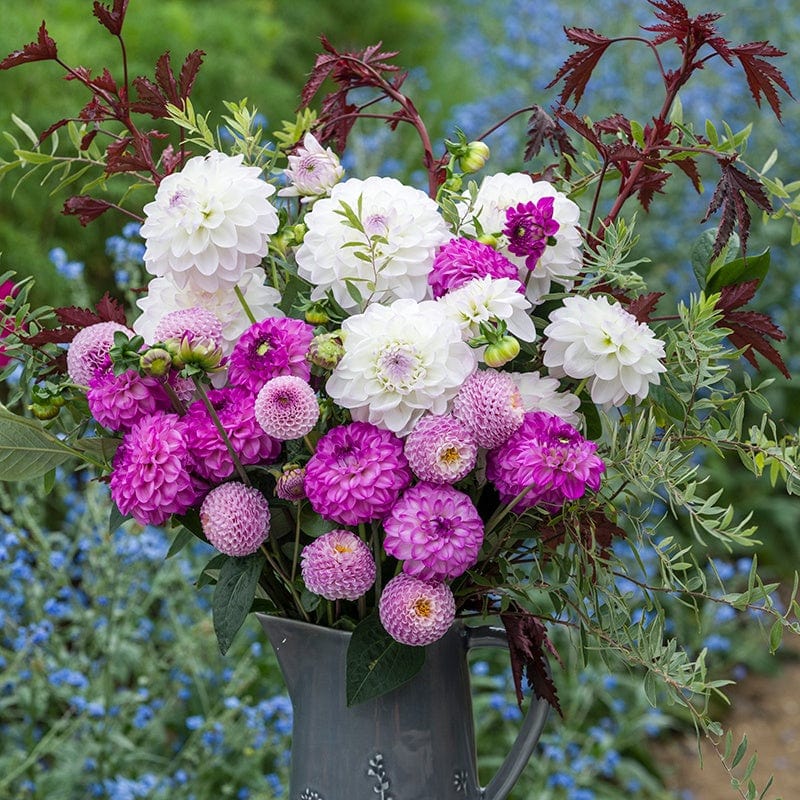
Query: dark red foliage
x=578 y=68
x=644 y=305
x=43 y=49
x=762 y=77
x=543 y=129
x=111 y=18
x=527 y=643
x=750 y=329
x=85 y=208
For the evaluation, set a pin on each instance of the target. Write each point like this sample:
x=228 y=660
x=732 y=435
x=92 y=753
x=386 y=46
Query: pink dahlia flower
x=119 y=401
x=209 y=454
x=461 y=260
x=530 y=228
x=88 y=351
x=195 y=322
x=235 y=519
x=338 y=566
x=150 y=480
x=286 y=407
x=356 y=473
x=549 y=456
x=490 y=405
x=416 y=612
x=435 y=530
x=440 y=449
x=275 y=346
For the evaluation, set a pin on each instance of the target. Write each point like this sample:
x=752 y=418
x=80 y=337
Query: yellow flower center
x=342 y=548
x=449 y=456
x=422 y=607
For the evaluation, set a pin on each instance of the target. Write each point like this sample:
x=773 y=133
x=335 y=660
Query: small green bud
x=202 y=353
x=501 y=352
x=156 y=362
x=326 y=350
x=490 y=239
x=44 y=411
x=316 y=315
x=475 y=158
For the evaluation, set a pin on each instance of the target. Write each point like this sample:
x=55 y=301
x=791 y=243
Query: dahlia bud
x=202 y=352
x=313 y=171
x=488 y=238
x=44 y=412
x=501 y=352
x=316 y=315
x=156 y=362
x=475 y=158
x=290 y=485
x=326 y=350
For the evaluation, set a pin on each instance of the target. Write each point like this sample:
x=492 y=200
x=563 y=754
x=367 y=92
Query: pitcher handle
x=510 y=770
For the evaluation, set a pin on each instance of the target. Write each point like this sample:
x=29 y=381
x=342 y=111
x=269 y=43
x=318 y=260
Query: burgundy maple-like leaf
x=111 y=18
x=542 y=128
x=527 y=642
x=581 y=127
x=189 y=69
x=166 y=79
x=43 y=49
x=644 y=305
x=85 y=208
x=730 y=195
x=750 y=329
x=689 y=32
x=151 y=101
x=578 y=68
x=762 y=77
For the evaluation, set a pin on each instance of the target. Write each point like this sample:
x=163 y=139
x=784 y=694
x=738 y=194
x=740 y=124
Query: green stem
x=243 y=302
x=296 y=553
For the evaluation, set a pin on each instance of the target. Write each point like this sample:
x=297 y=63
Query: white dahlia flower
x=163 y=296
x=209 y=222
x=313 y=171
x=589 y=337
x=485 y=299
x=378 y=235
x=561 y=260
x=400 y=361
x=542 y=394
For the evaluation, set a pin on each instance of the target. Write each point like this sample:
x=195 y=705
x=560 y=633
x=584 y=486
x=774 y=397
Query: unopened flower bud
x=43 y=411
x=316 y=315
x=290 y=485
x=313 y=171
x=326 y=350
x=156 y=362
x=475 y=158
x=499 y=353
x=488 y=238
x=202 y=352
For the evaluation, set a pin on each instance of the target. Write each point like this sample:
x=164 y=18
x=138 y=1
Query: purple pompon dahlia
x=548 y=455
x=119 y=401
x=440 y=449
x=150 y=480
x=289 y=485
x=88 y=351
x=210 y=457
x=461 y=260
x=530 y=227
x=195 y=322
x=490 y=405
x=286 y=407
x=416 y=612
x=338 y=566
x=435 y=531
x=356 y=474
x=235 y=519
x=275 y=346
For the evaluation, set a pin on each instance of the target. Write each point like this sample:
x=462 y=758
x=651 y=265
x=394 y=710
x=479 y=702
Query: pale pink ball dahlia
x=548 y=455
x=338 y=566
x=490 y=405
x=119 y=401
x=416 y=612
x=286 y=407
x=88 y=351
x=356 y=473
x=235 y=519
x=440 y=449
x=275 y=346
x=435 y=531
x=461 y=260
x=150 y=478
x=195 y=322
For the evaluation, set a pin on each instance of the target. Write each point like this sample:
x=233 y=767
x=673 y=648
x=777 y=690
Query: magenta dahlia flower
x=490 y=405
x=435 y=531
x=286 y=407
x=440 y=449
x=210 y=457
x=356 y=474
x=461 y=260
x=119 y=401
x=416 y=612
x=150 y=479
x=338 y=566
x=549 y=456
x=530 y=227
x=235 y=519
x=275 y=346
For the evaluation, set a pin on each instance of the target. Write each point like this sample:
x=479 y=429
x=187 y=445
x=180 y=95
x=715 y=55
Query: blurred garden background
x=111 y=684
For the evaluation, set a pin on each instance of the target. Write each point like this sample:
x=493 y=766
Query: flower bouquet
x=388 y=406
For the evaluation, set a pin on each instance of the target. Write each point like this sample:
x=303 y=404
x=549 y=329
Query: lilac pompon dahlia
x=462 y=260
x=289 y=485
x=275 y=346
x=150 y=478
x=88 y=351
x=356 y=474
x=235 y=519
x=119 y=401
x=435 y=530
x=549 y=456
x=440 y=449
x=235 y=410
x=490 y=405
x=286 y=407
x=338 y=566
x=195 y=322
x=416 y=612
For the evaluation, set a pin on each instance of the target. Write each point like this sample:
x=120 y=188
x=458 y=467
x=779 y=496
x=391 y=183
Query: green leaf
x=210 y=571
x=376 y=663
x=737 y=271
x=115 y=518
x=594 y=425
x=233 y=596
x=313 y=525
x=27 y=450
x=775 y=635
x=700 y=255
x=182 y=538
x=33 y=157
